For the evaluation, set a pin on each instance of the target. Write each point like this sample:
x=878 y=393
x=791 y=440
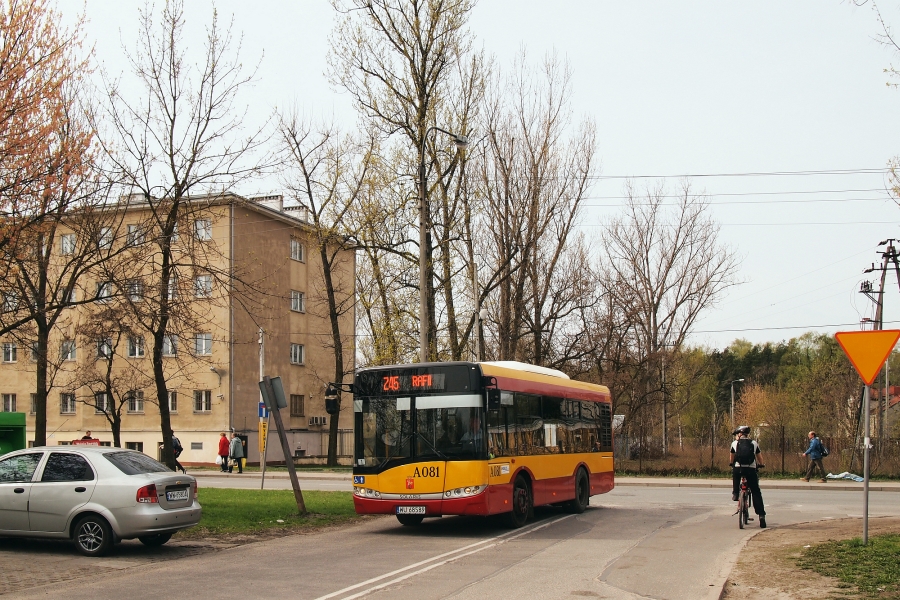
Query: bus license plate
x=410 y=510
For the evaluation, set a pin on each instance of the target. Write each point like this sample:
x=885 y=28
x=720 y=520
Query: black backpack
x=743 y=454
x=176 y=443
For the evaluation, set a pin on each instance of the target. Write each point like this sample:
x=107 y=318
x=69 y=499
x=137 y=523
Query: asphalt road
x=647 y=542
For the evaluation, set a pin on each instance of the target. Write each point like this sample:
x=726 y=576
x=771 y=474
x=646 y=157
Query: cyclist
x=745 y=459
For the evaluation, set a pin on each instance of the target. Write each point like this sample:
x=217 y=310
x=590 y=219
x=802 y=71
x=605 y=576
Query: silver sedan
x=95 y=496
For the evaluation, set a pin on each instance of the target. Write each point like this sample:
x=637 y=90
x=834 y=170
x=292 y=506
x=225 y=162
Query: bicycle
x=745 y=501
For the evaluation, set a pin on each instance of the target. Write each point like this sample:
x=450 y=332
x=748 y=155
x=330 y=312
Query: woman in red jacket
x=223 y=451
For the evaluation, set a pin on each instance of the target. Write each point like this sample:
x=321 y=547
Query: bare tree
x=396 y=59
x=666 y=265
x=534 y=179
x=180 y=135
x=328 y=173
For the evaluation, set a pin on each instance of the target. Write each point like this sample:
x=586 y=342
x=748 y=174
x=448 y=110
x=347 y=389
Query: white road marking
x=453 y=555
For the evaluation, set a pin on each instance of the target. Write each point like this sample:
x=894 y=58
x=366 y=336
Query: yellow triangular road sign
x=868 y=350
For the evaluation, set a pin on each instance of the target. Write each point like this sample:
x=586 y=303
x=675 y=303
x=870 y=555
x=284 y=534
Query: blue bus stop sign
x=263 y=413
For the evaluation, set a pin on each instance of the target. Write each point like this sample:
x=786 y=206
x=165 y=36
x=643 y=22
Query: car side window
x=62 y=466
x=19 y=469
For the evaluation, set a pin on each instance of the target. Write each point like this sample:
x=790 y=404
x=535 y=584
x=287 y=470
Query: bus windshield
x=393 y=428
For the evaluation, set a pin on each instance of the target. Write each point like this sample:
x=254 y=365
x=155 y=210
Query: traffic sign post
x=867 y=351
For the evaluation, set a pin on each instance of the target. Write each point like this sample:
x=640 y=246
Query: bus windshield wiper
x=436 y=451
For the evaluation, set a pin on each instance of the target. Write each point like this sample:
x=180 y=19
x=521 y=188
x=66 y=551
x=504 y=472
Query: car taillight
x=194 y=486
x=147 y=494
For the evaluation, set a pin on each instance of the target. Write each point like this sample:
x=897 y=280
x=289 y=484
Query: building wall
x=259 y=295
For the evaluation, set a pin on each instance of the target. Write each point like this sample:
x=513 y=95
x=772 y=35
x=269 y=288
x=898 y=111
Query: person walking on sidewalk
x=223 y=451
x=236 y=453
x=815 y=452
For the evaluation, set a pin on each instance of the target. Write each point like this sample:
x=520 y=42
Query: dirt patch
x=767 y=567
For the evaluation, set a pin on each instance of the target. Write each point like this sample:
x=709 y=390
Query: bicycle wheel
x=742 y=499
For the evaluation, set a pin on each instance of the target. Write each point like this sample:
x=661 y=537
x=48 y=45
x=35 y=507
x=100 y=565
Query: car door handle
x=19 y=490
x=80 y=489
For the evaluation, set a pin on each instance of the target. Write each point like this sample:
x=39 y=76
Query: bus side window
x=529 y=429
x=554 y=428
x=605 y=427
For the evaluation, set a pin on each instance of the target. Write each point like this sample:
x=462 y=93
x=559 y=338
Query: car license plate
x=177 y=495
x=410 y=510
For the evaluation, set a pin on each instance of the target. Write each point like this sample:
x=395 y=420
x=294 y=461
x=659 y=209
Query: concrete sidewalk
x=771 y=484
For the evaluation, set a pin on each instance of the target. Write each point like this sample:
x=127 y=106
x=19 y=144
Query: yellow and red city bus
x=468 y=438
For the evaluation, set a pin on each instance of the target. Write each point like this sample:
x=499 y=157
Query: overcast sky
x=726 y=92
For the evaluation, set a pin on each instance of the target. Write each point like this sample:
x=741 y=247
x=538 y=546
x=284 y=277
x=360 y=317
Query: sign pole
x=867 y=351
x=275 y=411
x=262 y=372
x=866 y=443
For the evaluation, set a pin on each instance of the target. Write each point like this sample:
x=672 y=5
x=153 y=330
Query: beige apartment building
x=253 y=265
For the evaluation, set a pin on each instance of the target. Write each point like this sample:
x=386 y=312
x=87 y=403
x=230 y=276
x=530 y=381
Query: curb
x=764 y=483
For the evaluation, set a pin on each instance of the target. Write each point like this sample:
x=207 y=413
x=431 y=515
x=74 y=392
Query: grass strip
x=270 y=512
x=874 y=569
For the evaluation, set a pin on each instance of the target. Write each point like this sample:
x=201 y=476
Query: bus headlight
x=465 y=492
x=366 y=493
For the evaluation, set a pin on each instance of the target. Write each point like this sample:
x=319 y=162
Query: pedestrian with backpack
x=816 y=453
x=746 y=458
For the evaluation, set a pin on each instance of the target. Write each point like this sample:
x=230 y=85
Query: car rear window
x=135 y=463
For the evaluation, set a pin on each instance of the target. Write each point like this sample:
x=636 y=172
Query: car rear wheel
x=410 y=520
x=582 y=493
x=155 y=540
x=93 y=536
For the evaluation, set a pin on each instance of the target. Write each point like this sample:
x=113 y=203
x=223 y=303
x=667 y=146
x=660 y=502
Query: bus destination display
x=427 y=382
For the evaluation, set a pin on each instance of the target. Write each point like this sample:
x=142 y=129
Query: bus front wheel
x=582 y=493
x=521 y=502
x=410 y=520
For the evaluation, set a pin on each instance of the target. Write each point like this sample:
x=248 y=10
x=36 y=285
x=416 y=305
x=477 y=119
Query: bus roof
x=533 y=379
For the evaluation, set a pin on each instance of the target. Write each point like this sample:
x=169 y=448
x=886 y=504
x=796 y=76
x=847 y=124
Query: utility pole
x=888 y=257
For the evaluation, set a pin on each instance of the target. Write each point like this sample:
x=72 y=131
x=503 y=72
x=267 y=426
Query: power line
x=750 y=174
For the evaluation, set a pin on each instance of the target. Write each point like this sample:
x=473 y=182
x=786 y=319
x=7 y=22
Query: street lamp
x=425 y=240
x=734 y=381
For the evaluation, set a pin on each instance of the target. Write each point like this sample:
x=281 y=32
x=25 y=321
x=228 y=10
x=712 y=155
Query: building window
x=104 y=291
x=136 y=401
x=67 y=404
x=203 y=286
x=202 y=400
x=139 y=446
x=104 y=348
x=203 y=229
x=67 y=243
x=298 y=301
x=35 y=351
x=196 y=445
x=172 y=290
x=297 y=407
x=105 y=240
x=9 y=403
x=10 y=302
x=173 y=401
x=135 y=235
x=135 y=347
x=170 y=345
x=69 y=296
x=67 y=350
x=101 y=403
x=298 y=354
x=203 y=344
x=135 y=290
x=9 y=352
x=33 y=403
x=298 y=251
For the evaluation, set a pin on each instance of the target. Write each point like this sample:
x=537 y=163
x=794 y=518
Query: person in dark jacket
x=236 y=453
x=815 y=453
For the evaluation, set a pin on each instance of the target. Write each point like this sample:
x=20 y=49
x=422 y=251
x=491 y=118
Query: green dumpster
x=12 y=431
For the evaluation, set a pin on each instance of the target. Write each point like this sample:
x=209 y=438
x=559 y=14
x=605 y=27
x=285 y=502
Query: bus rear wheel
x=521 y=502
x=582 y=493
x=410 y=520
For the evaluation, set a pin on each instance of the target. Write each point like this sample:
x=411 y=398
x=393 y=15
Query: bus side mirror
x=493 y=399
x=331 y=400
